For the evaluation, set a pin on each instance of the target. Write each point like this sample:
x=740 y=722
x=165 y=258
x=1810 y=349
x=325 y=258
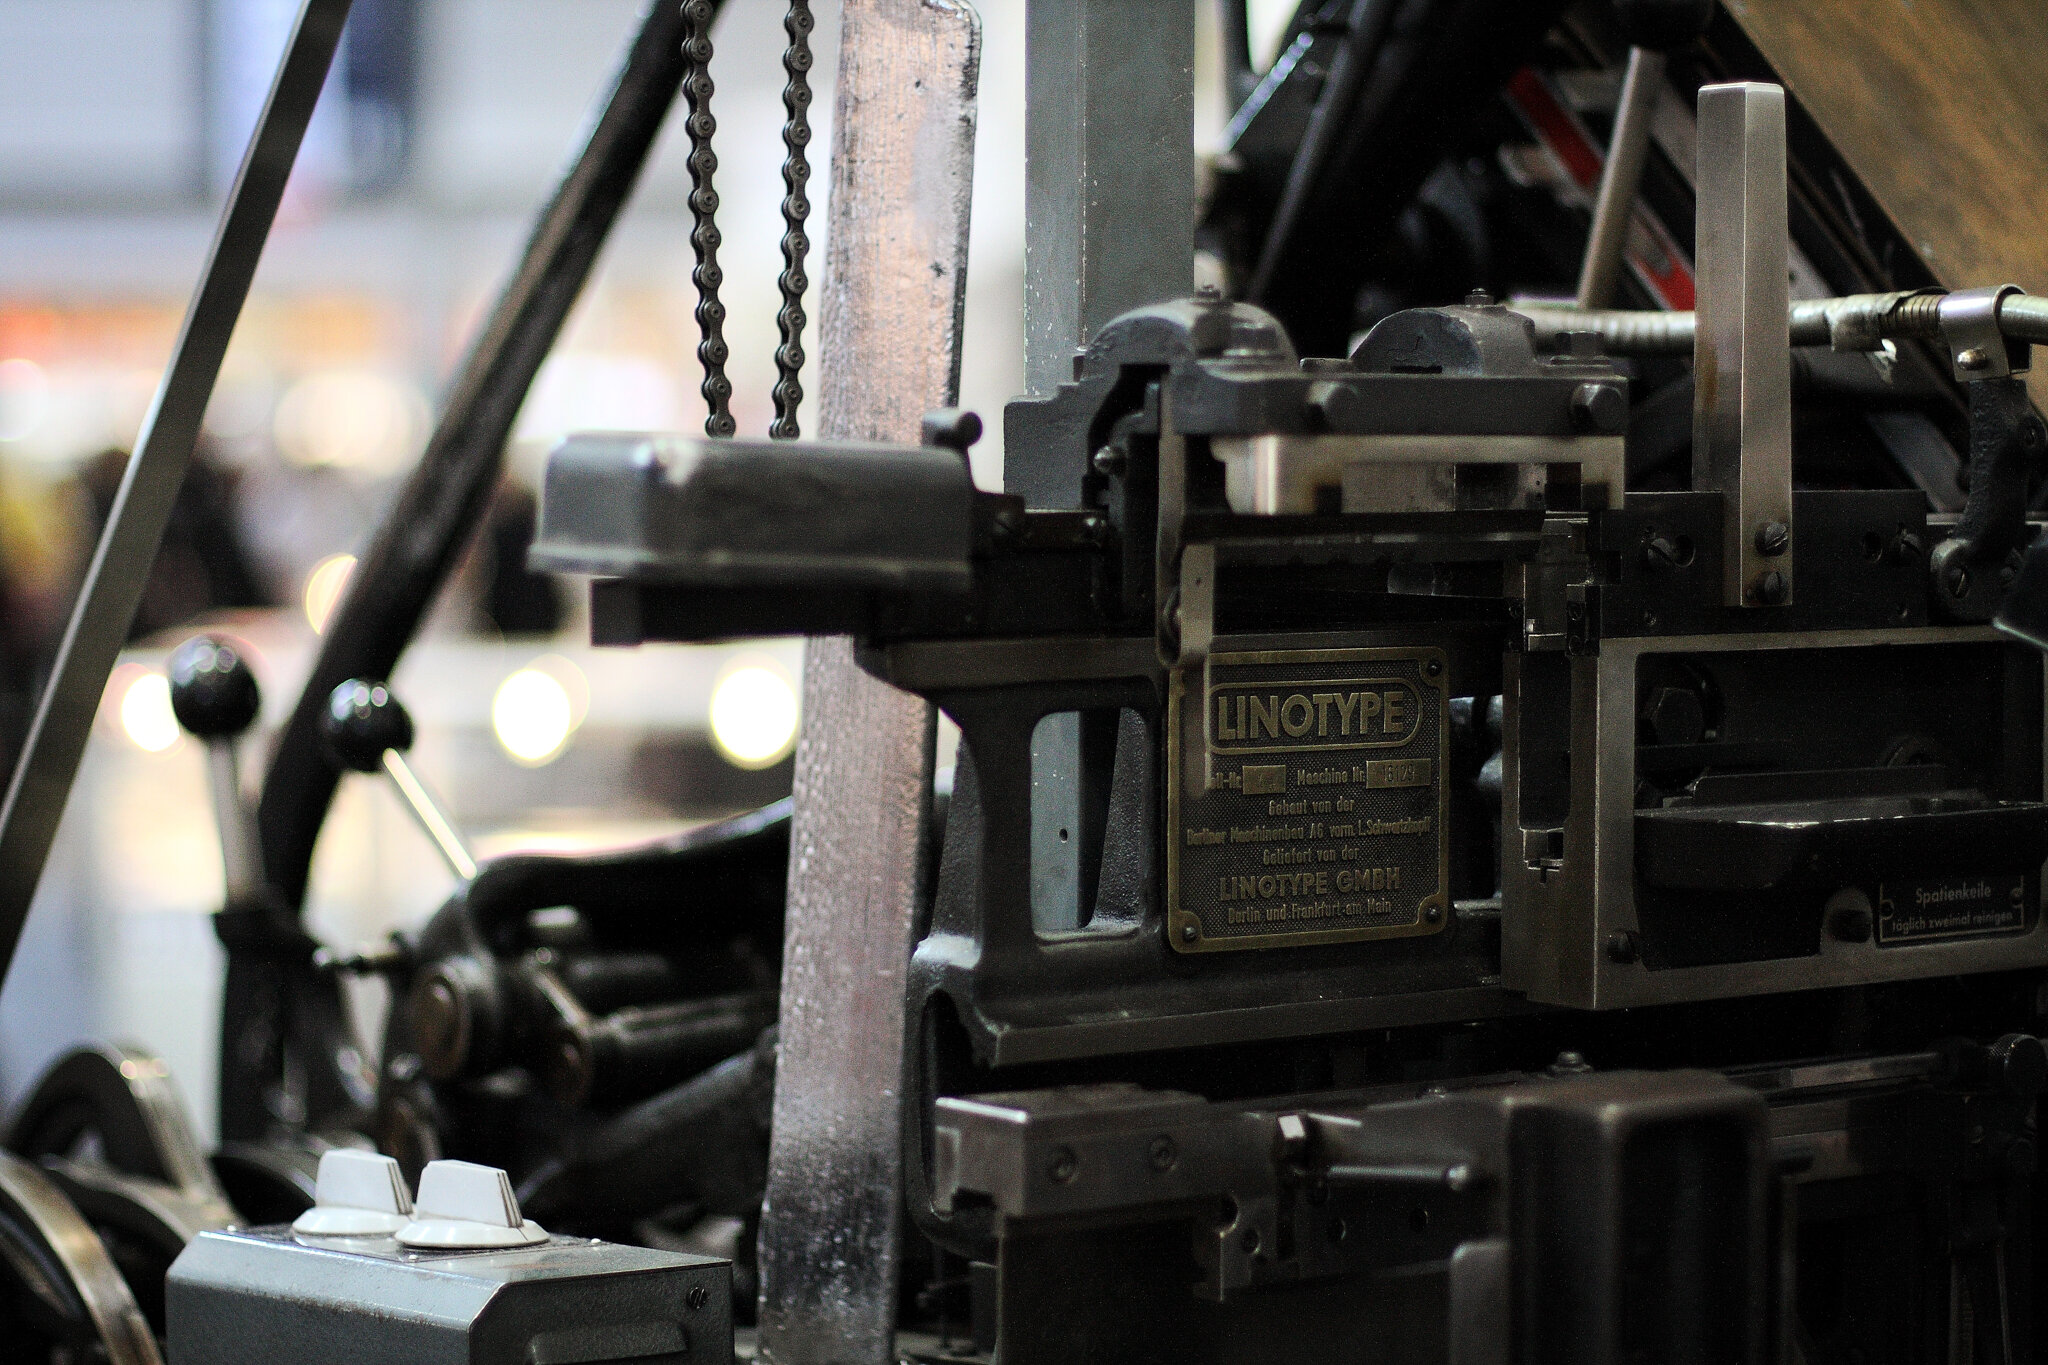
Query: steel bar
x=1614 y=208
x=121 y=564
x=428 y=815
x=443 y=499
x=1109 y=183
x=1742 y=368
x=893 y=299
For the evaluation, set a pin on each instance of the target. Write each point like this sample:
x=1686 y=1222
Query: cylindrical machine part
x=641 y=1049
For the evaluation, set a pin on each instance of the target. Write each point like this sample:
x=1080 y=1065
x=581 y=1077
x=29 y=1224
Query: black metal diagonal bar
x=135 y=525
x=442 y=501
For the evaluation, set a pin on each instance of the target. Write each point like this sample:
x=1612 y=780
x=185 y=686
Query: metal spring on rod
x=796 y=210
x=704 y=238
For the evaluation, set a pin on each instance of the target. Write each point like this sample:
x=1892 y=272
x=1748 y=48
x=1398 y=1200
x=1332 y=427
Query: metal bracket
x=1969 y=328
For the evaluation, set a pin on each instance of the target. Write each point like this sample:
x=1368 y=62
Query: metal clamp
x=1969 y=328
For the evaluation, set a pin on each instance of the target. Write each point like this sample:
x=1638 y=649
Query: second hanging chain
x=796 y=207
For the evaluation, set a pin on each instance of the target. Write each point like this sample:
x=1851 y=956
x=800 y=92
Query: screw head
x=1478 y=298
x=1773 y=538
x=1955 y=581
x=1973 y=359
x=1208 y=293
x=698 y=1296
x=1661 y=552
x=1163 y=1155
x=1622 y=948
x=1772 y=589
x=1434 y=914
x=1065 y=1165
x=1108 y=461
x=1189 y=933
x=1851 y=924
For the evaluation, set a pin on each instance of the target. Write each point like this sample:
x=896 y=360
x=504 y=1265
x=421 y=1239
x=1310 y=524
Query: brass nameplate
x=1307 y=802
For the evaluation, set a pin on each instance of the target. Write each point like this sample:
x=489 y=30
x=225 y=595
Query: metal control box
x=262 y=1296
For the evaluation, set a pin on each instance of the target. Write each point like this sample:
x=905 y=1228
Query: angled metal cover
x=681 y=509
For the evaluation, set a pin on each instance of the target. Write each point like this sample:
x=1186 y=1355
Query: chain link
x=796 y=210
x=704 y=238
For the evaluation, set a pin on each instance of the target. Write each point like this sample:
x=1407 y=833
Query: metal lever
x=366 y=729
x=1653 y=28
x=1742 y=368
x=215 y=697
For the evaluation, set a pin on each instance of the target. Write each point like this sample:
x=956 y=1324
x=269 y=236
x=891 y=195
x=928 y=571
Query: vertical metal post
x=1109 y=226
x=893 y=294
x=1109 y=179
x=1742 y=359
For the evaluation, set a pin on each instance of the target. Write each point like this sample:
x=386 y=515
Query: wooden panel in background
x=1941 y=107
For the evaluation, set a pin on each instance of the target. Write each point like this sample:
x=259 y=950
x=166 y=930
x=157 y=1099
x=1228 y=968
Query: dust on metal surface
x=893 y=297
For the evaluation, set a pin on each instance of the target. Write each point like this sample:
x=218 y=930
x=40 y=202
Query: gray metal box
x=265 y=1296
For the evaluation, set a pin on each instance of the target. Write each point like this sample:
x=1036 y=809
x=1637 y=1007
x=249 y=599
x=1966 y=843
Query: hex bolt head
x=1599 y=407
x=1773 y=538
x=1675 y=715
x=1290 y=1139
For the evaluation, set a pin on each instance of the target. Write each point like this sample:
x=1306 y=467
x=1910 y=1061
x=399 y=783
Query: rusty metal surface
x=893 y=296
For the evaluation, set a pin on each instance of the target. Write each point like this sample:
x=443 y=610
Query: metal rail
x=127 y=549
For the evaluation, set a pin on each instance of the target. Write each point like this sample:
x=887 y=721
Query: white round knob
x=464 y=1206
x=357 y=1194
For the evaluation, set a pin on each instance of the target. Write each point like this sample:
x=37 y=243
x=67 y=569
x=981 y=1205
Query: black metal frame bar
x=120 y=568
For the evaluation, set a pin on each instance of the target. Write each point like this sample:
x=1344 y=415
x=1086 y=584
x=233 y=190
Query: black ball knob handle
x=213 y=690
x=364 y=720
x=1663 y=25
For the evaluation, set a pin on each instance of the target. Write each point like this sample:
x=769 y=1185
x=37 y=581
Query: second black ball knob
x=213 y=690
x=363 y=720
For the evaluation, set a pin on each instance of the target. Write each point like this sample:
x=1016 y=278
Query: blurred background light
x=357 y=420
x=324 y=588
x=533 y=716
x=146 y=715
x=24 y=398
x=754 y=715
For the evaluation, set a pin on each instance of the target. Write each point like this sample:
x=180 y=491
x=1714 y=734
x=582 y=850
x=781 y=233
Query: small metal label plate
x=1951 y=908
x=1307 y=802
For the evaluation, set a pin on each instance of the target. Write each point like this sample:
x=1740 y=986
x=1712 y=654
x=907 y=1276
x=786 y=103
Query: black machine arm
x=432 y=518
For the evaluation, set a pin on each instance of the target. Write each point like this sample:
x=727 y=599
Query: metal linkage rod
x=796 y=212
x=434 y=514
x=705 y=237
x=1614 y=209
x=142 y=507
x=1854 y=322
